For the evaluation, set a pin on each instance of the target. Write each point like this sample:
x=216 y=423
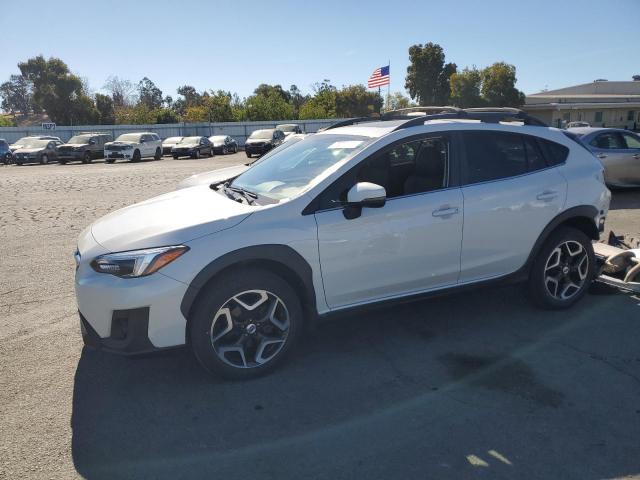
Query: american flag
x=379 y=77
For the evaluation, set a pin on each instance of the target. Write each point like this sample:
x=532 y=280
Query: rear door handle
x=445 y=211
x=547 y=195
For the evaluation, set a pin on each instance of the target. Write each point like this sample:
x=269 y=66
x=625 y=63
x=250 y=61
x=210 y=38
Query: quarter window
x=631 y=140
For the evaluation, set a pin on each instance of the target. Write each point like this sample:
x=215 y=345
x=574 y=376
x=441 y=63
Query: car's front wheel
x=158 y=154
x=87 y=157
x=44 y=159
x=245 y=323
x=563 y=270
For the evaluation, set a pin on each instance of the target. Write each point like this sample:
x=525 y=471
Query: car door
x=411 y=244
x=610 y=148
x=632 y=158
x=511 y=192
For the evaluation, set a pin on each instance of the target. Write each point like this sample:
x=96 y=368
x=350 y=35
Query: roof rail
x=487 y=115
x=350 y=121
x=406 y=112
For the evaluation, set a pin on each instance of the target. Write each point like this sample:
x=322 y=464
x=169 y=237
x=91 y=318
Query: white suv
x=359 y=214
x=134 y=147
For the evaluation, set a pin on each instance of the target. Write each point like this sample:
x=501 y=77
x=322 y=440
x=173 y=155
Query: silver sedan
x=618 y=150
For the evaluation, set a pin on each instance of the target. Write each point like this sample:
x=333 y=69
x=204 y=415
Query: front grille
x=117 y=148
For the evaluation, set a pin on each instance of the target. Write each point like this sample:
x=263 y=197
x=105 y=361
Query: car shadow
x=438 y=388
x=625 y=199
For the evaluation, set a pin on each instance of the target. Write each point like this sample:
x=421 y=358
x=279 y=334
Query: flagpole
x=389 y=85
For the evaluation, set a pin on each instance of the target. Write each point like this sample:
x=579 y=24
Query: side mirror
x=361 y=195
x=92 y=142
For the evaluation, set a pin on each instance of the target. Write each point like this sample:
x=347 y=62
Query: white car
x=349 y=217
x=134 y=147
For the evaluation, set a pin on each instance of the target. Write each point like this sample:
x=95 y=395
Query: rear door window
x=631 y=140
x=492 y=156
x=609 y=141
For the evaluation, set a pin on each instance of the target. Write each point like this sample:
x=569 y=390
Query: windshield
x=129 y=137
x=32 y=142
x=80 y=139
x=289 y=172
x=172 y=140
x=217 y=138
x=262 y=134
x=287 y=128
x=189 y=140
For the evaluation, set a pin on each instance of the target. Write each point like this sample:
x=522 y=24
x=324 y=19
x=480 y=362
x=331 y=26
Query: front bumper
x=261 y=149
x=183 y=152
x=128 y=154
x=128 y=336
x=70 y=155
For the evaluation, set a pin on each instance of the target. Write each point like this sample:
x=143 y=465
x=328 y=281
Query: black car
x=83 y=147
x=5 y=152
x=224 y=144
x=193 y=147
x=261 y=141
x=36 y=150
x=169 y=143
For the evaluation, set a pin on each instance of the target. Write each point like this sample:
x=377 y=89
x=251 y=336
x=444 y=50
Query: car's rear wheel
x=563 y=270
x=245 y=323
x=158 y=154
x=87 y=157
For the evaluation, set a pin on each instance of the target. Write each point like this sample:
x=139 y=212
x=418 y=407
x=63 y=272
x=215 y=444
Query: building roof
x=621 y=88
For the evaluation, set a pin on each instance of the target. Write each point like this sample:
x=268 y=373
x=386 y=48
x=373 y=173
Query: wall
x=238 y=130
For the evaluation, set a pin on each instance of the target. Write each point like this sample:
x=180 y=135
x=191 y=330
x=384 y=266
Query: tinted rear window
x=492 y=156
x=556 y=153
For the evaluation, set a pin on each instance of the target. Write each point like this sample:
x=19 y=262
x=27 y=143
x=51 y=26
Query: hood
x=258 y=140
x=74 y=145
x=173 y=218
x=15 y=146
x=28 y=150
x=215 y=176
x=121 y=143
x=185 y=145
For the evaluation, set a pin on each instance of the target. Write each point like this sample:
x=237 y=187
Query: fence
x=238 y=130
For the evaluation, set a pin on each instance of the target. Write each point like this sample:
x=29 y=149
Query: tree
x=356 y=101
x=122 y=91
x=269 y=106
x=106 y=112
x=17 y=95
x=297 y=99
x=498 y=86
x=465 y=88
x=149 y=95
x=427 y=75
x=397 y=101
x=166 y=115
x=58 y=91
x=267 y=90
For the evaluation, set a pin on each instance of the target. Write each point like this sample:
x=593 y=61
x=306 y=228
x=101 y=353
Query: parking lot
x=477 y=385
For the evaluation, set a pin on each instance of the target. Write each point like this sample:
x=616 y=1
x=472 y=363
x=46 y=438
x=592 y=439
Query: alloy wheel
x=566 y=270
x=250 y=328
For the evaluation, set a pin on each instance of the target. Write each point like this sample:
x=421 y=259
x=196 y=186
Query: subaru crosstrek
x=371 y=212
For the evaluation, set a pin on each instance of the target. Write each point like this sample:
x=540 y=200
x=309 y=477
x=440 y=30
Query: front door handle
x=602 y=155
x=547 y=195
x=445 y=211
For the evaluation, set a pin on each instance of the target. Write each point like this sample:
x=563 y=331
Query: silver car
x=618 y=150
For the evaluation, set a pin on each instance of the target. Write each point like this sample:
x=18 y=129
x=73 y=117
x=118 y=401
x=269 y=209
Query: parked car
x=349 y=217
x=84 y=147
x=194 y=147
x=36 y=150
x=261 y=141
x=224 y=144
x=6 y=156
x=169 y=143
x=134 y=147
x=618 y=150
x=24 y=140
x=578 y=124
x=289 y=128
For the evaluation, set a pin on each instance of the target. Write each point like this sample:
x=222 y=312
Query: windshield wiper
x=248 y=195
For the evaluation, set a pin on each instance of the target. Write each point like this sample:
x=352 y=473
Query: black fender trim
x=283 y=255
x=582 y=211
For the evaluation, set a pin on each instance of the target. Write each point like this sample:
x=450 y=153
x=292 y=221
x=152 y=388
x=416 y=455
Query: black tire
x=62 y=162
x=219 y=293
x=44 y=159
x=136 y=156
x=175 y=157
x=224 y=150
x=196 y=154
x=109 y=160
x=235 y=149
x=248 y=155
x=158 y=154
x=87 y=157
x=570 y=277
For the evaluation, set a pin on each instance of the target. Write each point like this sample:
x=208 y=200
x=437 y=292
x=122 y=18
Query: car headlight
x=137 y=263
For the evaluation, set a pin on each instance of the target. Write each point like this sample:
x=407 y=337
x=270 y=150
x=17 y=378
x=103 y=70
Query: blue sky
x=236 y=45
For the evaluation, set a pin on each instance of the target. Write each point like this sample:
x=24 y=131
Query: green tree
x=498 y=86
x=465 y=88
x=427 y=77
x=58 y=91
x=269 y=106
x=297 y=99
x=6 y=121
x=166 y=115
x=397 y=100
x=267 y=90
x=106 y=111
x=357 y=101
x=17 y=95
x=149 y=94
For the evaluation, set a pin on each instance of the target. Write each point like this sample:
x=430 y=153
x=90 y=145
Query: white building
x=601 y=103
